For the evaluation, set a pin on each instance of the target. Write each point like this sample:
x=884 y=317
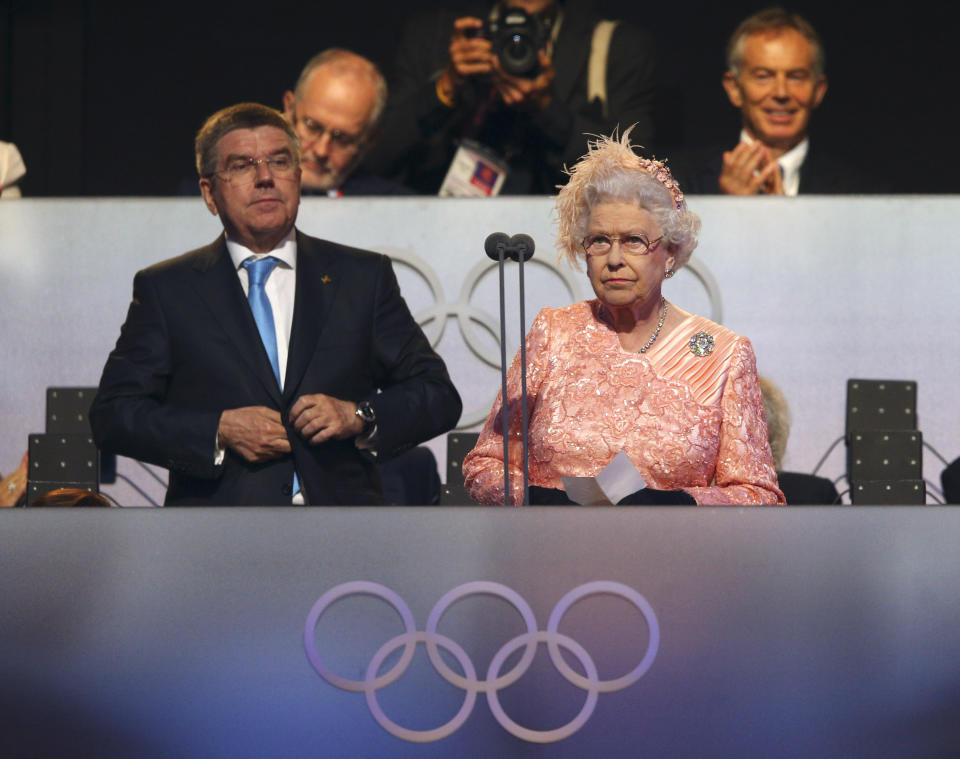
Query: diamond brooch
x=701 y=344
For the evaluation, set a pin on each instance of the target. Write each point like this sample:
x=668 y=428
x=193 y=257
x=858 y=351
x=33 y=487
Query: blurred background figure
x=412 y=478
x=335 y=108
x=12 y=170
x=776 y=77
x=503 y=94
x=73 y=58
x=798 y=488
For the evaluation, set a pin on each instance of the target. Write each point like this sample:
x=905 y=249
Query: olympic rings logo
x=495 y=679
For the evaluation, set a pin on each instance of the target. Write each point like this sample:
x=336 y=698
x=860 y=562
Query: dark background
x=103 y=97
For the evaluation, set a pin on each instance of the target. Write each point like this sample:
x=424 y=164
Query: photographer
x=511 y=85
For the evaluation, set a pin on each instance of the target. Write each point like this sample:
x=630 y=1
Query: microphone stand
x=495 y=246
x=519 y=248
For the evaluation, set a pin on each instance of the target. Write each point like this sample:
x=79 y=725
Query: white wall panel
x=827 y=289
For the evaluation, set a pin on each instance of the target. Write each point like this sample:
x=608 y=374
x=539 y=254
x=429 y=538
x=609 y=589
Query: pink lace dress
x=687 y=421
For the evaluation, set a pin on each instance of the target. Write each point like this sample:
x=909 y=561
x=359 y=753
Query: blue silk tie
x=258 y=271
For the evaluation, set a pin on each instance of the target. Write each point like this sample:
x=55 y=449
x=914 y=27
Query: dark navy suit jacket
x=190 y=349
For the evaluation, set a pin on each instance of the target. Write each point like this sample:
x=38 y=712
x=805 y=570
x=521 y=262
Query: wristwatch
x=366 y=415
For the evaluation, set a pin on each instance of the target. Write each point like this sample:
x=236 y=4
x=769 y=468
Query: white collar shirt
x=281 y=288
x=790 y=162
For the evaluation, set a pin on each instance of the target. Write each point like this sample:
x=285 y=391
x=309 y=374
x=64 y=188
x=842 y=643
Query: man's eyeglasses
x=310 y=131
x=634 y=245
x=244 y=170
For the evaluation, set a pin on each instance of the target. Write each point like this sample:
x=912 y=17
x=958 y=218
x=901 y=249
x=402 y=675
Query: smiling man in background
x=776 y=78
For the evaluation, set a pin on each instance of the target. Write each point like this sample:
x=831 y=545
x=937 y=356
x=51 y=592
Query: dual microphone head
x=501 y=246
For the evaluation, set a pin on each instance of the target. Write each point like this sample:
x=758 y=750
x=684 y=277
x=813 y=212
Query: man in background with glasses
x=268 y=367
x=335 y=109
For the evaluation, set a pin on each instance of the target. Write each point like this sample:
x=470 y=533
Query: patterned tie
x=258 y=271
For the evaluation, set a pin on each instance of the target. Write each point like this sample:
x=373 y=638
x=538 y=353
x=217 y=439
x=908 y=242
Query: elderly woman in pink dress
x=630 y=371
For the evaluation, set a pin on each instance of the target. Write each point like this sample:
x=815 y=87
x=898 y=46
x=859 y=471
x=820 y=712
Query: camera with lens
x=516 y=38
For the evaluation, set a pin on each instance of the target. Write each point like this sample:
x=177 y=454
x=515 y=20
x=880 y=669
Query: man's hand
x=518 y=92
x=254 y=432
x=469 y=56
x=319 y=418
x=750 y=169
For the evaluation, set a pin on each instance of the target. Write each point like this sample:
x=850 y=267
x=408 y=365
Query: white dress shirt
x=281 y=288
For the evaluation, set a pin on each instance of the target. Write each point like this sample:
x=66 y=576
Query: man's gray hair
x=773 y=20
x=341 y=60
x=240 y=116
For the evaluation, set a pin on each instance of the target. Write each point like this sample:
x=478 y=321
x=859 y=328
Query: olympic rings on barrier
x=359 y=587
x=492 y=589
x=590 y=589
x=544 y=736
x=495 y=681
x=421 y=736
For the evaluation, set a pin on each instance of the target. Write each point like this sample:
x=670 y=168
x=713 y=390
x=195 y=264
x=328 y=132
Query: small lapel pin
x=325 y=279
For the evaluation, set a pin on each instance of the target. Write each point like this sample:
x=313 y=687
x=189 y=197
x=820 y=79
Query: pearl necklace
x=656 y=332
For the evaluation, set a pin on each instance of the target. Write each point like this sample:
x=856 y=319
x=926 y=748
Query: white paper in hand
x=619 y=479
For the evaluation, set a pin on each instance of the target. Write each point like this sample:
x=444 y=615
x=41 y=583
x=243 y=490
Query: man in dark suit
x=450 y=86
x=251 y=367
x=776 y=78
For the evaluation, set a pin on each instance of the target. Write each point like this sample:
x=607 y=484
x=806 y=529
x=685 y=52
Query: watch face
x=365 y=412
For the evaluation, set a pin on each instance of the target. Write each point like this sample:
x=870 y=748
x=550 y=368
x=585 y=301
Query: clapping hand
x=750 y=169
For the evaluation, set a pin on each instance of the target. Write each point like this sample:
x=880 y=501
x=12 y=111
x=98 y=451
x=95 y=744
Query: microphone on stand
x=496 y=245
x=496 y=248
x=518 y=248
x=521 y=246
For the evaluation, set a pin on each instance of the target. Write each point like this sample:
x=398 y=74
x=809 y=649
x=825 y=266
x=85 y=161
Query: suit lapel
x=318 y=279
x=819 y=176
x=219 y=286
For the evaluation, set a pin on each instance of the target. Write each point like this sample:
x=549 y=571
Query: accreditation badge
x=476 y=172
